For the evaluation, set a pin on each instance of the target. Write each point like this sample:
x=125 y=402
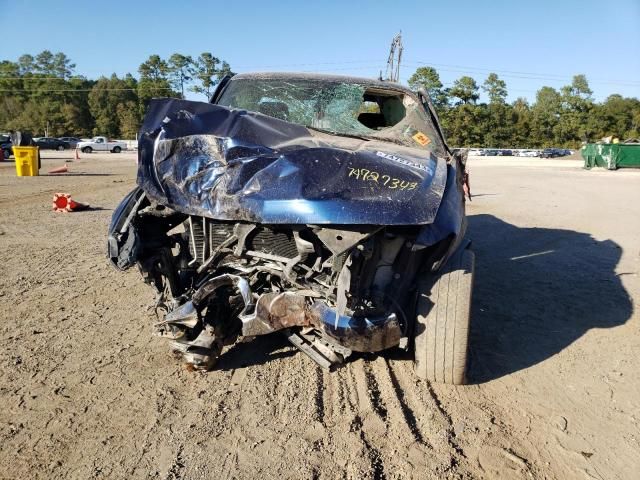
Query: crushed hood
x=228 y=164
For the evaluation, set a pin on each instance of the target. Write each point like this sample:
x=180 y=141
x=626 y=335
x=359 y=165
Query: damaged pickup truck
x=326 y=207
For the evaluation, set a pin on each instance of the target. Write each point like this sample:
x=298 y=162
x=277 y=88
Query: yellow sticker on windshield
x=421 y=139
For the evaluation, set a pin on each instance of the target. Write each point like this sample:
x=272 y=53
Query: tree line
x=557 y=118
x=42 y=94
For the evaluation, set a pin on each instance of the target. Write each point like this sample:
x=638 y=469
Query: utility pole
x=395 y=56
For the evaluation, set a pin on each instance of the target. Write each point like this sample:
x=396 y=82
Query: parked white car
x=101 y=144
x=531 y=153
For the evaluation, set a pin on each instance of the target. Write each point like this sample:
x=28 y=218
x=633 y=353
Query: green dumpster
x=611 y=155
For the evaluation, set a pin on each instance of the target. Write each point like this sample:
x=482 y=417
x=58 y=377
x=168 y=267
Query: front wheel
x=116 y=150
x=87 y=149
x=60 y=148
x=442 y=321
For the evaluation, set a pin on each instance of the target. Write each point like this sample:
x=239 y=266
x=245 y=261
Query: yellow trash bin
x=26 y=161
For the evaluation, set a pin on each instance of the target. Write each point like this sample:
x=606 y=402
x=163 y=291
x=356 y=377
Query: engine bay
x=334 y=289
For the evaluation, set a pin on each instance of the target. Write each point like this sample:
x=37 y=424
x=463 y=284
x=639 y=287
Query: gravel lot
x=87 y=392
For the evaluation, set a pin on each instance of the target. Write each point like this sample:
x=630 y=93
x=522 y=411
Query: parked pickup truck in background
x=101 y=144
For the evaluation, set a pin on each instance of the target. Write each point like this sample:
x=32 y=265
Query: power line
x=411 y=66
x=346 y=62
x=43 y=78
x=439 y=66
x=521 y=75
x=359 y=67
x=450 y=68
x=490 y=70
x=83 y=89
x=282 y=65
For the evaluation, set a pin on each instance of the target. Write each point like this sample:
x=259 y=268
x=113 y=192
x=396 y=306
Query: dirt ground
x=86 y=392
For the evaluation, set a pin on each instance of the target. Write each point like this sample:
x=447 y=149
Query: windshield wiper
x=331 y=132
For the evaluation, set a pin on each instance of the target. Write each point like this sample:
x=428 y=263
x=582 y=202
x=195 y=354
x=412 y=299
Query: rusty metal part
x=283 y=310
x=275 y=311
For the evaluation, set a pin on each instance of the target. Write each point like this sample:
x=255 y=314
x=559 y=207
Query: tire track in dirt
x=177 y=467
x=451 y=434
x=433 y=420
x=358 y=406
x=319 y=403
x=272 y=390
x=229 y=463
x=211 y=408
x=330 y=399
x=338 y=394
x=408 y=412
x=385 y=433
x=407 y=445
x=375 y=457
x=378 y=404
x=344 y=438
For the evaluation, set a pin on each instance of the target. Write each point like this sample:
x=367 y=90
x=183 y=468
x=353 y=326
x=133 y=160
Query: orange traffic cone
x=62 y=203
x=77 y=155
x=63 y=169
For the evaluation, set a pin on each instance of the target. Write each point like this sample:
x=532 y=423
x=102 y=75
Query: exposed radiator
x=206 y=235
x=276 y=243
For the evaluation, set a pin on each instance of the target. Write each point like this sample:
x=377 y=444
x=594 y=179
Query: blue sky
x=529 y=44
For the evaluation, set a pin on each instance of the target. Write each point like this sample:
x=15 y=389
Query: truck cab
x=101 y=144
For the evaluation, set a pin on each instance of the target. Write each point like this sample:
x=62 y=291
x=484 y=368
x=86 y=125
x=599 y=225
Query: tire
x=116 y=150
x=60 y=148
x=442 y=321
x=87 y=149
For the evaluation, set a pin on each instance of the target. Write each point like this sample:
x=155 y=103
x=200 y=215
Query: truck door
x=101 y=144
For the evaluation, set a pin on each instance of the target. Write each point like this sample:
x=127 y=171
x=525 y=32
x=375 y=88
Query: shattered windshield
x=338 y=108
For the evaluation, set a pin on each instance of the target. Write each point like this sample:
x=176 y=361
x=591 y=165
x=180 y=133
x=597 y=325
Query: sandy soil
x=87 y=392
